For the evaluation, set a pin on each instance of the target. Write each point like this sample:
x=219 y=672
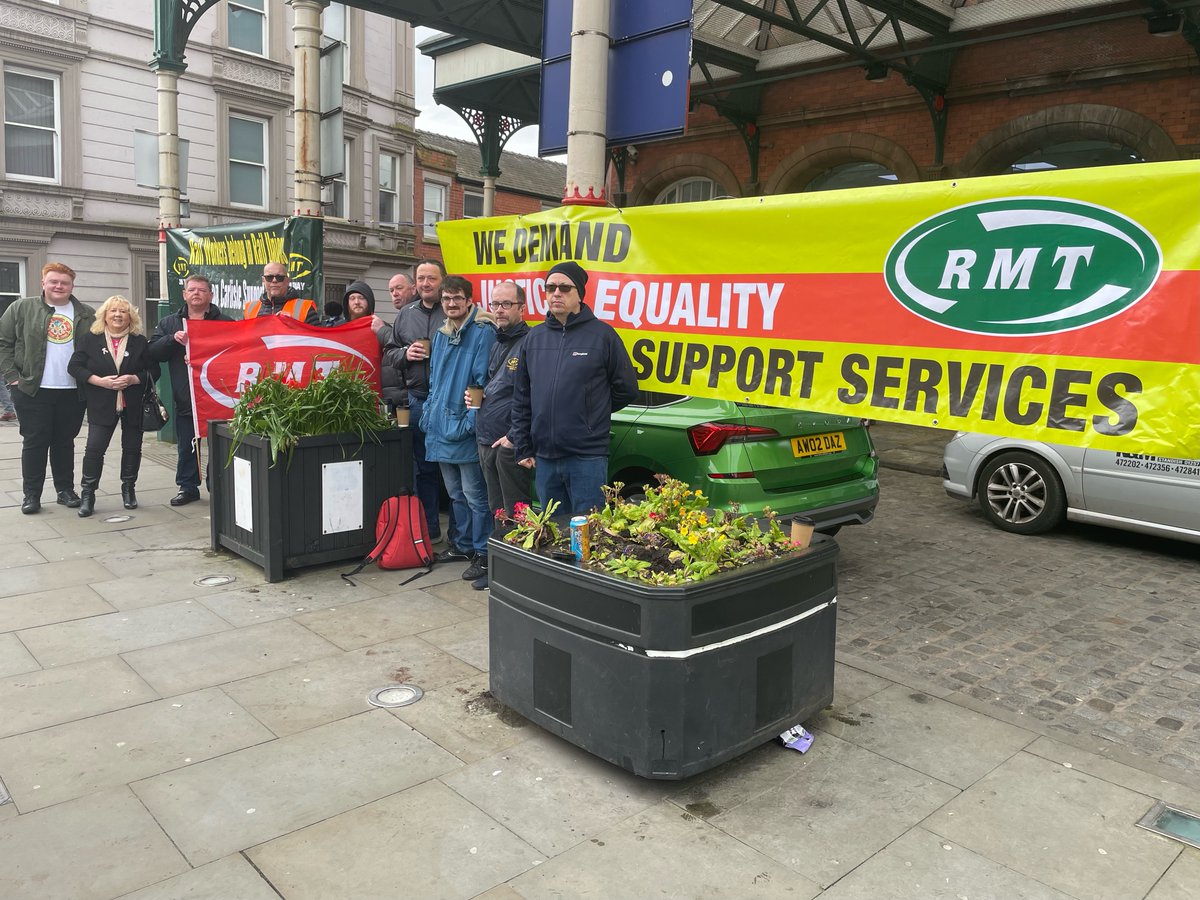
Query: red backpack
x=402 y=538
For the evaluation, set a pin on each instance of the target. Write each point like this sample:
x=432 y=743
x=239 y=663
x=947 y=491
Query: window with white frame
x=335 y=196
x=247 y=162
x=688 y=190
x=435 y=208
x=389 y=189
x=32 y=125
x=248 y=26
x=12 y=280
x=472 y=204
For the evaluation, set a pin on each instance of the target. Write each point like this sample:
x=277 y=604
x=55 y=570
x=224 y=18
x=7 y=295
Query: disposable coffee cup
x=401 y=416
x=424 y=342
x=802 y=531
x=475 y=392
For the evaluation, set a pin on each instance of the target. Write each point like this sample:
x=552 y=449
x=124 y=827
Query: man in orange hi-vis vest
x=278 y=299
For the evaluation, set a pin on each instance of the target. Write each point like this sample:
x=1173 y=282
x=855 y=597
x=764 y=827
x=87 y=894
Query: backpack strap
x=420 y=546
x=391 y=522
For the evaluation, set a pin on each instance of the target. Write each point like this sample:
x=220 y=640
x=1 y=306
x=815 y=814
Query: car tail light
x=710 y=437
x=720 y=475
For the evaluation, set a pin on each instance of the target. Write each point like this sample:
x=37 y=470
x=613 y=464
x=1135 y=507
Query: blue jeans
x=187 y=467
x=427 y=476
x=469 y=500
x=574 y=481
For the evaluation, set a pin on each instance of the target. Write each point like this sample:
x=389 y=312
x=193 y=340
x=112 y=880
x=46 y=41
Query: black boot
x=87 y=495
x=130 y=464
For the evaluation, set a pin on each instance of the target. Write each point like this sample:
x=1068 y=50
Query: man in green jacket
x=37 y=337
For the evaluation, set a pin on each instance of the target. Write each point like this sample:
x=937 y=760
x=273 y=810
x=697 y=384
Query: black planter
x=665 y=682
x=288 y=507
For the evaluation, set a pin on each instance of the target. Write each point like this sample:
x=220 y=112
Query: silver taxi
x=1028 y=487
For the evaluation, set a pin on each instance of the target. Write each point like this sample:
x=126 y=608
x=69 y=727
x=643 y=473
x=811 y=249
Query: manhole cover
x=393 y=695
x=214 y=580
x=113 y=520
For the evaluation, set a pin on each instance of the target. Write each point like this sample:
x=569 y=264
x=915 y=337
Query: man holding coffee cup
x=459 y=361
x=408 y=352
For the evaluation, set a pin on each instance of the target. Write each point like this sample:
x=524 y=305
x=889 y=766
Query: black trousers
x=50 y=422
x=100 y=436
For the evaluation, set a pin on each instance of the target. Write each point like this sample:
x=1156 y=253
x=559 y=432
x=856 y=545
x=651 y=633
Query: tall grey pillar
x=306 y=58
x=587 y=119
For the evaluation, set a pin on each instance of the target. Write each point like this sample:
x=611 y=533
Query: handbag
x=401 y=538
x=154 y=414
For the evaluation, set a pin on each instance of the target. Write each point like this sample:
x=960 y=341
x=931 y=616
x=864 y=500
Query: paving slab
x=950 y=743
x=467 y=640
x=461 y=594
x=214 y=808
x=15 y=659
x=921 y=864
x=100 y=846
x=47 y=576
x=851 y=684
x=265 y=602
x=839 y=805
x=175 y=582
x=1182 y=881
x=229 y=878
x=143 y=517
x=551 y=794
x=19 y=553
x=118 y=632
x=334 y=687
x=184 y=532
x=1069 y=829
x=383 y=619
x=387 y=581
x=51 y=765
x=84 y=546
x=46 y=607
x=15 y=527
x=464 y=719
x=662 y=850
x=66 y=693
x=424 y=842
x=227 y=656
x=192 y=562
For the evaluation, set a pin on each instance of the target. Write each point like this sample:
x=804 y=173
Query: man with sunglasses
x=278 y=299
x=573 y=374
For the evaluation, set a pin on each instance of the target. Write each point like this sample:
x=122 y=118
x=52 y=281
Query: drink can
x=580 y=543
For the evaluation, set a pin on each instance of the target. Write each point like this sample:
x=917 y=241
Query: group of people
x=494 y=405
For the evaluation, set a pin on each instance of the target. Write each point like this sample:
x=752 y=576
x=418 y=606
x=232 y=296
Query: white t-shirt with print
x=60 y=344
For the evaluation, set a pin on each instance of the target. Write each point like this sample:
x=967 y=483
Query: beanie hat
x=575 y=272
x=359 y=287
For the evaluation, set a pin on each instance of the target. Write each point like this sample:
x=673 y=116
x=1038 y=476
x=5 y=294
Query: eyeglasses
x=559 y=287
x=454 y=298
x=505 y=304
x=274 y=278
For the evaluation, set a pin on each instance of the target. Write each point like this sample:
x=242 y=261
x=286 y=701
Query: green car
x=794 y=462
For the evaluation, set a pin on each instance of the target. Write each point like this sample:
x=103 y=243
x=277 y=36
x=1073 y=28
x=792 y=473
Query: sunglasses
x=559 y=288
x=274 y=278
x=505 y=304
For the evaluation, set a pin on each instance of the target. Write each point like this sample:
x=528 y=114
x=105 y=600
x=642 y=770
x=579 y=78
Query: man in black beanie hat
x=574 y=373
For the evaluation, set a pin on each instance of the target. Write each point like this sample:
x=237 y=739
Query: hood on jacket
x=358 y=287
x=584 y=314
x=477 y=314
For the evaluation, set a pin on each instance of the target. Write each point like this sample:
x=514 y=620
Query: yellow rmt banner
x=1061 y=306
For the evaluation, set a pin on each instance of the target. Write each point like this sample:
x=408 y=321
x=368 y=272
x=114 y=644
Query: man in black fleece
x=574 y=373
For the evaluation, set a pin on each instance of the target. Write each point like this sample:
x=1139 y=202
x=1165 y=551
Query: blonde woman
x=112 y=365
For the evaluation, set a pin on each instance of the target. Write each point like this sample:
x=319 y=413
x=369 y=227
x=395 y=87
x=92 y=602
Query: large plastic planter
x=665 y=682
x=285 y=504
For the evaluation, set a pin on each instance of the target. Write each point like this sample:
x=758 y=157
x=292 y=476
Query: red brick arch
x=812 y=158
x=683 y=165
x=996 y=151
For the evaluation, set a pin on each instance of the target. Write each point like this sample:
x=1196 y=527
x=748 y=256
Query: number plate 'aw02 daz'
x=818 y=444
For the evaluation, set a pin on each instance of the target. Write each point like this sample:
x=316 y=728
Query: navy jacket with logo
x=494 y=417
x=569 y=382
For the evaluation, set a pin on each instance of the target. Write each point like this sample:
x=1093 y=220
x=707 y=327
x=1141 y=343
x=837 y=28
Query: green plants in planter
x=671 y=537
x=282 y=411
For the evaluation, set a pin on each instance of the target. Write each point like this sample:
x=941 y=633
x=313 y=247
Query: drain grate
x=1173 y=822
x=394 y=695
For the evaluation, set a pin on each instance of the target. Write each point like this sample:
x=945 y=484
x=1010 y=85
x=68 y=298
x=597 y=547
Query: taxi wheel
x=1021 y=493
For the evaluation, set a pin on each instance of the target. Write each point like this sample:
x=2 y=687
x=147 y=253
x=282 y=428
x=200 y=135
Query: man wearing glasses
x=573 y=374
x=278 y=299
x=460 y=356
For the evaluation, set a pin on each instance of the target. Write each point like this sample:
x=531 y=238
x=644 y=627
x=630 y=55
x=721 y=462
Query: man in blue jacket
x=574 y=373
x=459 y=359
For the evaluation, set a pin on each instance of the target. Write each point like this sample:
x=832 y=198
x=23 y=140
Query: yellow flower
x=694 y=539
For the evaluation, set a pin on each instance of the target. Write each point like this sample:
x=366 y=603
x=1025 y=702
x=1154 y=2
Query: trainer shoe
x=480 y=584
x=69 y=498
x=453 y=554
x=477 y=568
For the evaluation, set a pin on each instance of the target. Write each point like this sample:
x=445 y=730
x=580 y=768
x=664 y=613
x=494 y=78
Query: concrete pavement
x=161 y=739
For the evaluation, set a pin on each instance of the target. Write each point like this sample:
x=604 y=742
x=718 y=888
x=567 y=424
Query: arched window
x=852 y=175
x=688 y=190
x=1076 y=155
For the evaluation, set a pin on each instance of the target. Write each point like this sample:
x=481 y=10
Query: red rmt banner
x=225 y=357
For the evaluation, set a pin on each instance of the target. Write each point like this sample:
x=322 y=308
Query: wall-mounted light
x=876 y=71
x=1164 y=24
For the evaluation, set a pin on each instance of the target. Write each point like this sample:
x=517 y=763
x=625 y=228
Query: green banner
x=232 y=258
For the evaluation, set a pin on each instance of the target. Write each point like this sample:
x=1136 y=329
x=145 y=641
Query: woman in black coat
x=114 y=368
